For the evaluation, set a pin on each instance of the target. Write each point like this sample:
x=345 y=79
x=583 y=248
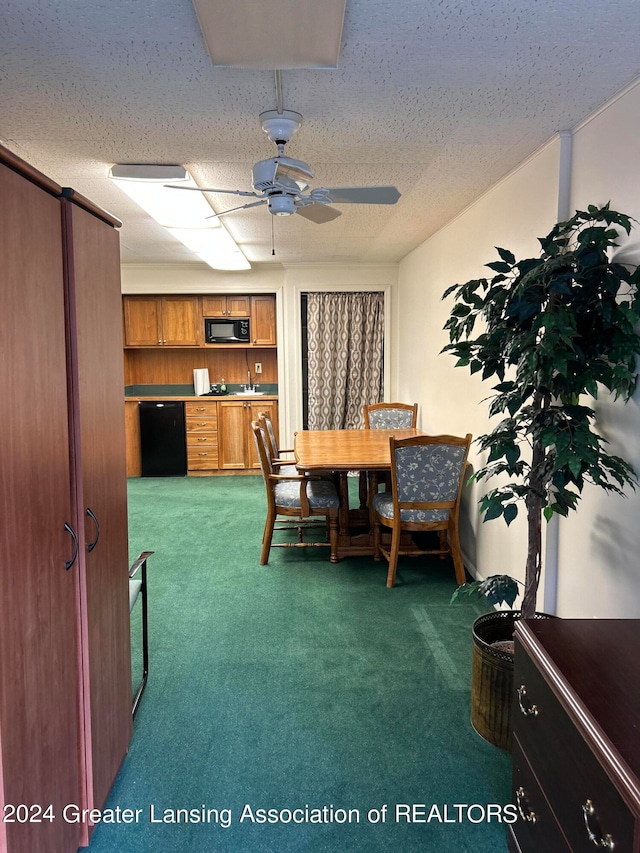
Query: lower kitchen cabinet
x=201 y=422
x=237 y=450
x=576 y=754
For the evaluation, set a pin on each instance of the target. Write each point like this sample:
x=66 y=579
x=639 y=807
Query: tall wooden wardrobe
x=65 y=680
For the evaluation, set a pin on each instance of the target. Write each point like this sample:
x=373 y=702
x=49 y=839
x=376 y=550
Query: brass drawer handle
x=525 y=812
x=593 y=827
x=203 y=454
x=202 y=439
x=527 y=709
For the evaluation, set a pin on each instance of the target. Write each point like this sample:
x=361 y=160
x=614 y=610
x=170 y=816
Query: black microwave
x=223 y=330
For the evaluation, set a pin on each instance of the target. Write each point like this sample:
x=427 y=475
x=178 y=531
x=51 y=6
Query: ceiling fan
x=282 y=183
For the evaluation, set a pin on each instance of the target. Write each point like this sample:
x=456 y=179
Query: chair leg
x=444 y=547
x=267 y=536
x=333 y=538
x=393 y=556
x=376 y=539
x=362 y=489
x=456 y=553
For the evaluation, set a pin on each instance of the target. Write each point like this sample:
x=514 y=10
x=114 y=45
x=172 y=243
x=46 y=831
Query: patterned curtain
x=346 y=350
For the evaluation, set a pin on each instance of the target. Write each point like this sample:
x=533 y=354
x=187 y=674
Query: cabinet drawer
x=202 y=439
x=201 y=424
x=584 y=798
x=200 y=410
x=536 y=828
x=202 y=460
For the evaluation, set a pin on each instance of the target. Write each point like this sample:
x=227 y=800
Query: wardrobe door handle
x=93 y=544
x=70 y=530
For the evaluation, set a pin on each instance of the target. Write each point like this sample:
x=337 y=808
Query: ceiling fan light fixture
x=282 y=205
x=185 y=215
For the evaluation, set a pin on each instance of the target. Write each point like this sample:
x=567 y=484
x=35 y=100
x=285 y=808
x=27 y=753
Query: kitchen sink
x=249 y=393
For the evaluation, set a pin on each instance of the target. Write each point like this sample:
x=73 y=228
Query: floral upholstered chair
x=427 y=473
x=391 y=416
x=384 y=416
x=297 y=497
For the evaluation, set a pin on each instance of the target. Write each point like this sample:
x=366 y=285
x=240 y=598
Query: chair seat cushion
x=383 y=505
x=321 y=494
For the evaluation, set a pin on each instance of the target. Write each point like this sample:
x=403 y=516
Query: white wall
x=599 y=545
x=598 y=571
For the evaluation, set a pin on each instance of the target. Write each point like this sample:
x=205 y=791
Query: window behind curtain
x=342 y=357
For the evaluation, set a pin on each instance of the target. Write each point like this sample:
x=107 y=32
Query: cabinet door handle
x=593 y=827
x=70 y=530
x=526 y=708
x=159 y=340
x=93 y=544
x=523 y=807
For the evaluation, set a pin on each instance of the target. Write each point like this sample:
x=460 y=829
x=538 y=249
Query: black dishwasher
x=162 y=439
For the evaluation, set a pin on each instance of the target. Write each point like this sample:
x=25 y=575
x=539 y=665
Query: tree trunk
x=534 y=526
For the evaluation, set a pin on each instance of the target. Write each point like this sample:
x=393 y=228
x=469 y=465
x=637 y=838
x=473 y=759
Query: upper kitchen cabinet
x=263 y=321
x=151 y=321
x=226 y=306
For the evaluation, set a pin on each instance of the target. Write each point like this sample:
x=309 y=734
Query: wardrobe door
x=39 y=587
x=95 y=309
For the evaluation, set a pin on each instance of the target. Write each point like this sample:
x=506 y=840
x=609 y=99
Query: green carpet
x=297 y=685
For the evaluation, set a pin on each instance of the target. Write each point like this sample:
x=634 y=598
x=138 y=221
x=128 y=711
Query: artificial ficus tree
x=550 y=331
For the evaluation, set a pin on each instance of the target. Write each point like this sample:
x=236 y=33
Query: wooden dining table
x=341 y=451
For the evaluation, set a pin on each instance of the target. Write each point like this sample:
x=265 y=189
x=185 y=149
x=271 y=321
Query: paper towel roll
x=201 y=382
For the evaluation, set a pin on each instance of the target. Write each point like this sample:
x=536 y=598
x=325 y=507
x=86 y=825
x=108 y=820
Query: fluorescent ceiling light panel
x=277 y=34
x=183 y=214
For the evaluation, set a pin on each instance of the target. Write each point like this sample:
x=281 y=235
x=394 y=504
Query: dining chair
x=391 y=416
x=427 y=473
x=284 y=466
x=138 y=590
x=384 y=416
x=300 y=497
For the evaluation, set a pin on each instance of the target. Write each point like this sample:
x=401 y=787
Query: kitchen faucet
x=249 y=384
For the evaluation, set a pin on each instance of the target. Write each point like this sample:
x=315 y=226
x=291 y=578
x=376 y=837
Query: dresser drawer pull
x=202 y=439
x=526 y=707
x=593 y=827
x=525 y=812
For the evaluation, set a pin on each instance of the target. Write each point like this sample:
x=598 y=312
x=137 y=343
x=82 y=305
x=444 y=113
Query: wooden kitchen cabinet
x=237 y=450
x=222 y=305
x=151 y=321
x=201 y=423
x=263 y=320
x=576 y=752
x=65 y=684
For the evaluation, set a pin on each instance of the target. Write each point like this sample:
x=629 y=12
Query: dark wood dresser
x=576 y=745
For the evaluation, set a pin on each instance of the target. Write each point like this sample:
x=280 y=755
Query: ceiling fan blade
x=318 y=213
x=362 y=195
x=232 y=209
x=210 y=190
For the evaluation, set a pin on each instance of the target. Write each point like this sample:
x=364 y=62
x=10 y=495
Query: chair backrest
x=391 y=416
x=272 y=444
x=427 y=471
x=259 y=430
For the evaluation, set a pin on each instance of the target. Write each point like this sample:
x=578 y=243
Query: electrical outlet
x=258 y=367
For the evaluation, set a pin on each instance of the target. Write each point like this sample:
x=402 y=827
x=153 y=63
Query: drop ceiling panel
x=275 y=34
x=439 y=99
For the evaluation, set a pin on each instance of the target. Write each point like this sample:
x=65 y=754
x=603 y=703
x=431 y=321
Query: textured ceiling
x=440 y=98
